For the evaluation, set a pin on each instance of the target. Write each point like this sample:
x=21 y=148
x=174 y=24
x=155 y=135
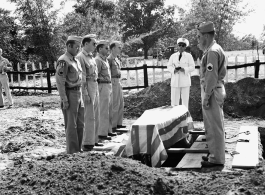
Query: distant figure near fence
x=5 y=65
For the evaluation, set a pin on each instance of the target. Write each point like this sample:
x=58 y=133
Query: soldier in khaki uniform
x=105 y=91
x=117 y=94
x=69 y=81
x=90 y=92
x=212 y=73
x=5 y=65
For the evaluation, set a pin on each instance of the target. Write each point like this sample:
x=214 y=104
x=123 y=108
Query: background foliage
x=36 y=33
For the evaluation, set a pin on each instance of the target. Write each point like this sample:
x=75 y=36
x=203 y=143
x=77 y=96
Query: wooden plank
x=248 y=151
x=201 y=138
x=197 y=132
x=193 y=160
x=122 y=130
x=187 y=150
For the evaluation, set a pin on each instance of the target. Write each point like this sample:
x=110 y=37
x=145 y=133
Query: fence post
x=257 y=69
x=145 y=76
x=49 y=79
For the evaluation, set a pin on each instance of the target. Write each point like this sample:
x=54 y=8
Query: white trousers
x=4 y=82
x=177 y=92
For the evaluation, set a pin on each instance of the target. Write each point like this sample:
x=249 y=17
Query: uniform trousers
x=4 y=82
x=74 y=121
x=91 y=114
x=105 y=109
x=177 y=92
x=118 y=102
x=213 y=119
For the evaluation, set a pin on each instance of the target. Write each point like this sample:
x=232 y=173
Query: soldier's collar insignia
x=209 y=67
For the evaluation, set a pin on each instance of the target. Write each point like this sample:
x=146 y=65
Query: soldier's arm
x=99 y=64
x=211 y=75
x=61 y=72
x=8 y=65
x=84 y=81
x=191 y=65
x=170 y=66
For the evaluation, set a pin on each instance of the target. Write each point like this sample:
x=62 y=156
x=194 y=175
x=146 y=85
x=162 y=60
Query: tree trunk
x=145 y=53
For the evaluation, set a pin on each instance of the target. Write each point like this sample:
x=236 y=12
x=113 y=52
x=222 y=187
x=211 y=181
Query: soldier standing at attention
x=117 y=94
x=4 y=81
x=180 y=65
x=69 y=81
x=105 y=91
x=90 y=92
x=212 y=73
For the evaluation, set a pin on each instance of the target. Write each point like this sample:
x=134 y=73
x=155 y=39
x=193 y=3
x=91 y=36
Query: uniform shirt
x=181 y=79
x=213 y=68
x=89 y=67
x=103 y=68
x=68 y=74
x=4 y=63
x=115 y=66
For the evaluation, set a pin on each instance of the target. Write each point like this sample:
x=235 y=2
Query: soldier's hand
x=205 y=104
x=182 y=70
x=65 y=105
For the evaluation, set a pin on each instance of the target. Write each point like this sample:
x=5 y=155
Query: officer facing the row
x=212 y=74
x=117 y=94
x=69 y=81
x=105 y=91
x=90 y=92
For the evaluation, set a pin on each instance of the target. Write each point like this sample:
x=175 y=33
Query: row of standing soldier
x=90 y=91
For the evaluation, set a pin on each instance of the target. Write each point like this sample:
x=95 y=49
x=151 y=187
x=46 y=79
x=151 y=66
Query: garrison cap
x=91 y=36
x=103 y=42
x=206 y=27
x=74 y=38
x=183 y=40
x=116 y=42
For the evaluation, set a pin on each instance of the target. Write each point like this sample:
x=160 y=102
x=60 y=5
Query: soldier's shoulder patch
x=209 y=67
x=60 y=67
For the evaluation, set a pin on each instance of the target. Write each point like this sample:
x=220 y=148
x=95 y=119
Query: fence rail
x=142 y=79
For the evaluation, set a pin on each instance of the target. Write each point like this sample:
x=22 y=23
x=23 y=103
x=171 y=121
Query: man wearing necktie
x=180 y=65
x=69 y=81
x=90 y=92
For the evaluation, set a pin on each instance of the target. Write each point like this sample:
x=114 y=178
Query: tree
x=147 y=21
x=39 y=22
x=10 y=41
x=93 y=16
x=223 y=13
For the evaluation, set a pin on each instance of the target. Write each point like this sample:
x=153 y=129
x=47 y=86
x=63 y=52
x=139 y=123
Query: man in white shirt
x=5 y=65
x=180 y=65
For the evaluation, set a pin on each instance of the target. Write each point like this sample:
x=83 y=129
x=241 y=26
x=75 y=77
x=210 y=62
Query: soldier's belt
x=117 y=76
x=77 y=88
x=99 y=81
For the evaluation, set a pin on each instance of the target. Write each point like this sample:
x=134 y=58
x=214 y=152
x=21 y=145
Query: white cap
x=183 y=40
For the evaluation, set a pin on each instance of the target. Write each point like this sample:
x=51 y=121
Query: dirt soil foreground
x=33 y=161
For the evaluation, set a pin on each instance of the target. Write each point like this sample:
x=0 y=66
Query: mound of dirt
x=90 y=173
x=245 y=98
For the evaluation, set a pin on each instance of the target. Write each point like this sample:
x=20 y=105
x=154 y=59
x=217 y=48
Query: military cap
x=74 y=38
x=115 y=42
x=183 y=40
x=206 y=27
x=103 y=42
x=91 y=36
